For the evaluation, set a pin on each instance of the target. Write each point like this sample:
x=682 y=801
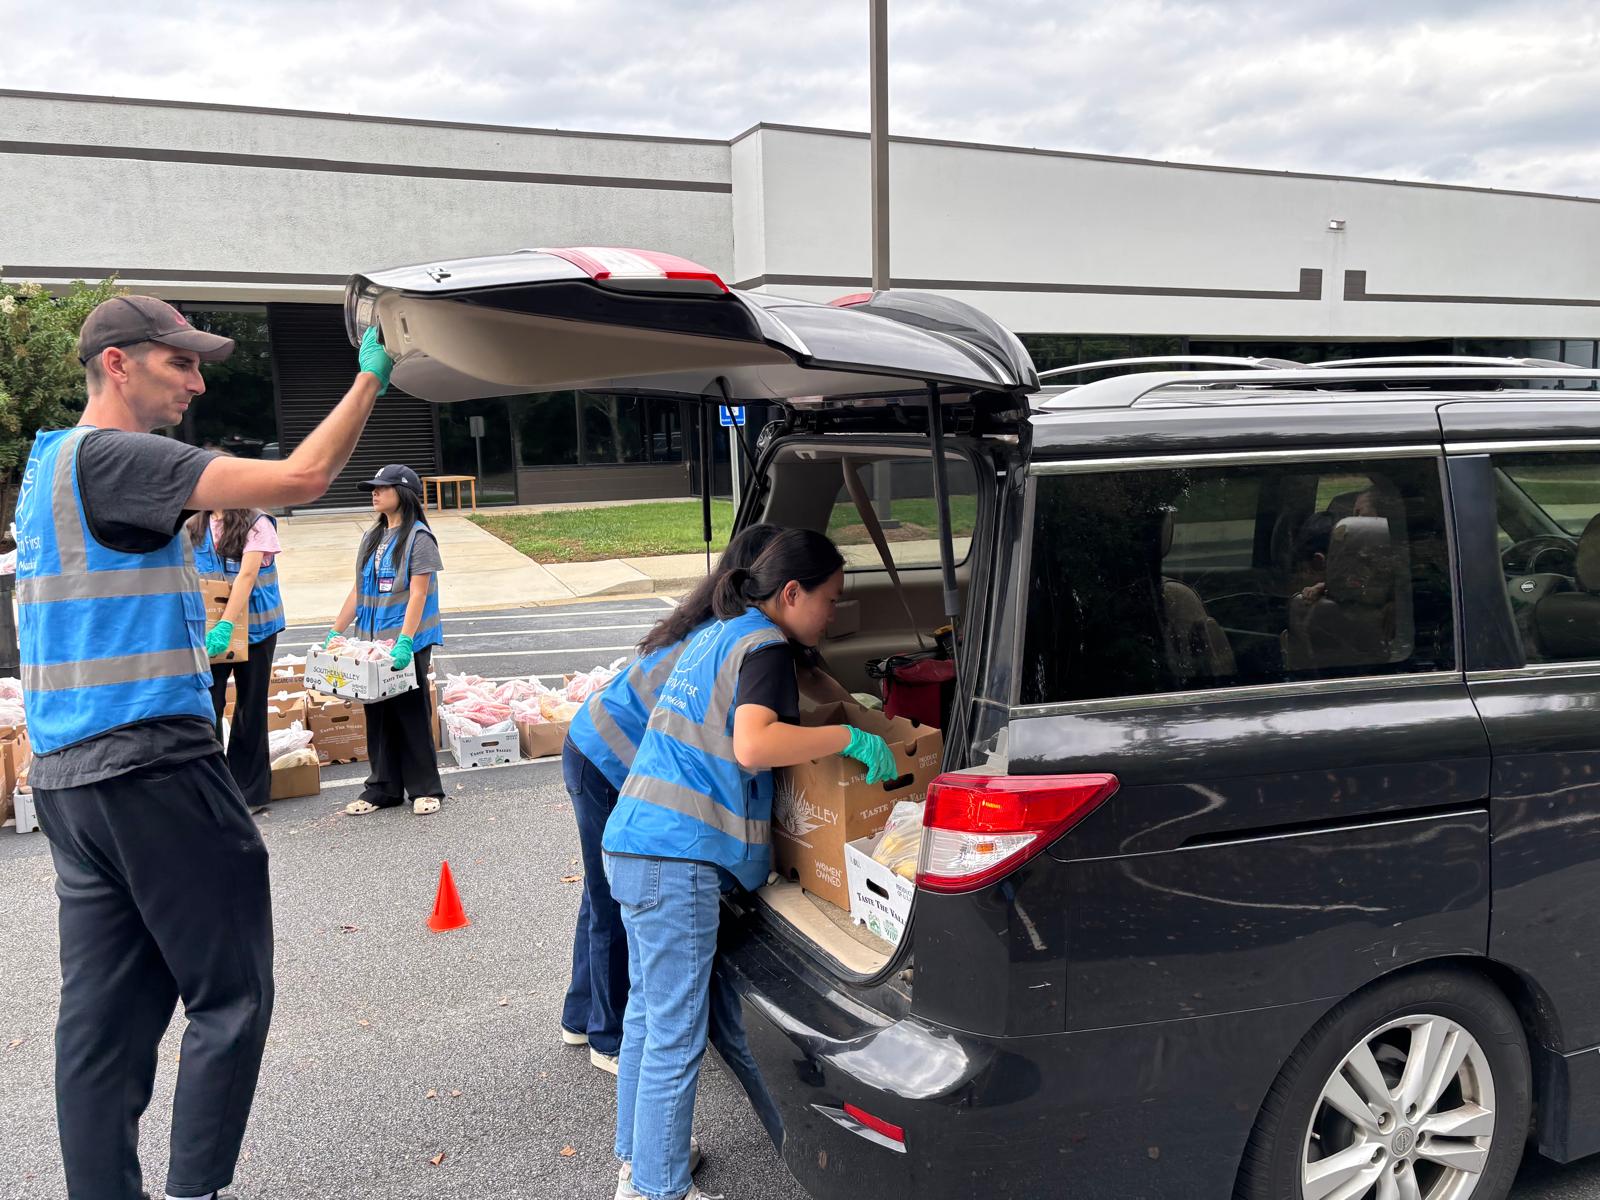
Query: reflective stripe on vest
x=383 y=614
x=687 y=796
x=611 y=723
x=108 y=638
x=266 y=601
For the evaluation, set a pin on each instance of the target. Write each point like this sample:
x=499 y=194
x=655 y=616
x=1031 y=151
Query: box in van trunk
x=821 y=805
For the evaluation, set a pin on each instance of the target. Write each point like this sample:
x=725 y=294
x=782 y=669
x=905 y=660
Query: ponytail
x=697 y=607
x=802 y=555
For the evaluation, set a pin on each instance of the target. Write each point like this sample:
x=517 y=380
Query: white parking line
x=506 y=633
x=449 y=656
x=521 y=614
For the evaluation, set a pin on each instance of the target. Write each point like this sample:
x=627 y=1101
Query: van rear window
x=1172 y=580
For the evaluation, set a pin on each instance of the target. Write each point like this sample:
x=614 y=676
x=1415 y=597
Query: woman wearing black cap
x=396 y=595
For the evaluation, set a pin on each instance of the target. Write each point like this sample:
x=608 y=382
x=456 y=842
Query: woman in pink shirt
x=241 y=546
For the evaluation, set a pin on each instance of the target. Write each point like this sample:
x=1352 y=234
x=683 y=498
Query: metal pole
x=706 y=477
x=734 y=465
x=880 y=145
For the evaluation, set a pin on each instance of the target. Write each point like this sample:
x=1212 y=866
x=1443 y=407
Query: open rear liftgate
x=642 y=323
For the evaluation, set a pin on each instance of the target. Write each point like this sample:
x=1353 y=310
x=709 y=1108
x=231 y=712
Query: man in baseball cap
x=161 y=872
x=125 y=321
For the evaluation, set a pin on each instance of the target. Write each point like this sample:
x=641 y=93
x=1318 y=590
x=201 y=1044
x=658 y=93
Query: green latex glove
x=332 y=633
x=872 y=752
x=374 y=358
x=219 y=637
x=400 y=658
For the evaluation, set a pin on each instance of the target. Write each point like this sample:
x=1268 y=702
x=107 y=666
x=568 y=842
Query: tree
x=41 y=380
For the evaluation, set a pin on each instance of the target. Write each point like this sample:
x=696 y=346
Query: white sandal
x=423 y=805
x=360 y=808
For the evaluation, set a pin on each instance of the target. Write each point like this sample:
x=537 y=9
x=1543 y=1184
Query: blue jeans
x=670 y=909
x=598 y=993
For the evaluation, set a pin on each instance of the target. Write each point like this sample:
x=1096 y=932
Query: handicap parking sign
x=730 y=415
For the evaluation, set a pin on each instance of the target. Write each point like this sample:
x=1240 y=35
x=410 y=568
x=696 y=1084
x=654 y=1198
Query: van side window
x=1546 y=507
x=1173 y=580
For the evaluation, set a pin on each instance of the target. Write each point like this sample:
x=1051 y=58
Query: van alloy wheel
x=1409 y=1114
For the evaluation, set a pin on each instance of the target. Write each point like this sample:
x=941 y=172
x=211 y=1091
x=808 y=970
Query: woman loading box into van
x=599 y=752
x=240 y=546
x=691 y=823
x=396 y=595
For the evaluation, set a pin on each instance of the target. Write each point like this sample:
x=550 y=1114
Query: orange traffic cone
x=447 y=910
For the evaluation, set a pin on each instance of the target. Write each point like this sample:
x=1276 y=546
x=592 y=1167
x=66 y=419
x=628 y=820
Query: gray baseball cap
x=124 y=321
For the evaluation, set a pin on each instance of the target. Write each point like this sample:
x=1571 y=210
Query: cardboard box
x=541 y=741
x=822 y=805
x=487 y=750
x=216 y=593
x=16 y=753
x=879 y=899
x=336 y=675
x=284 y=709
x=289 y=782
x=27 y=821
x=338 y=729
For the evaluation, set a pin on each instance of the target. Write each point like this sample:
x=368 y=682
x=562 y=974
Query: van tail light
x=979 y=828
x=641 y=270
x=877 y=1124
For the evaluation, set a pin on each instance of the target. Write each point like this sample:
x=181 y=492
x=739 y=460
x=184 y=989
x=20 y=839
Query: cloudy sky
x=1502 y=94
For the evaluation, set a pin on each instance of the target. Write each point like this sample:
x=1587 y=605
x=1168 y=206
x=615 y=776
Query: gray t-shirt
x=425 y=558
x=134 y=486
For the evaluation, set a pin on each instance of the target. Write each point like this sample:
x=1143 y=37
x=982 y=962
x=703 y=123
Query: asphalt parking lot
x=374 y=1013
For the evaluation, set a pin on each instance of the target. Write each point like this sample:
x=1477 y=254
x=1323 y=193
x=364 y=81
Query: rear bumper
x=1156 y=1110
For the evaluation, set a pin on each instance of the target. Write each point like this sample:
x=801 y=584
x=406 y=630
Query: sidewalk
x=480 y=571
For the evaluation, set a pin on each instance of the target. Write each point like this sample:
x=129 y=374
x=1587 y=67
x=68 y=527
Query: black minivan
x=1270 y=814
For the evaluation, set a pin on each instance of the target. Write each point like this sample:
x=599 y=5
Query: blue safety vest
x=611 y=723
x=385 y=590
x=266 y=602
x=687 y=796
x=107 y=638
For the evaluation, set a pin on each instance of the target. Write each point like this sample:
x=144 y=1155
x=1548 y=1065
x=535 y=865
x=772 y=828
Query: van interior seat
x=1196 y=645
x=1352 y=623
x=1566 y=625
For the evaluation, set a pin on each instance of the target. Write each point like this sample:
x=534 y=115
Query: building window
x=558 y=429
x=488 y=458
x=237 y=413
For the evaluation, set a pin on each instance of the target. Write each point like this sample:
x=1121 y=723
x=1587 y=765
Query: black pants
x=247 y=739
x=162 y=878
x=400 y=745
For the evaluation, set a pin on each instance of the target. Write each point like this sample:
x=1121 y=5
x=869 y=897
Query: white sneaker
x=573 y=1038
x=606 y=1062
x=626 y=1190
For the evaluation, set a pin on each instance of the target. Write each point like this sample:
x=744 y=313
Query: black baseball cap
x=124 y=321
x=395 y=475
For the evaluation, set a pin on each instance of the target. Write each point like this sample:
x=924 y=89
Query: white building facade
x=251 y=219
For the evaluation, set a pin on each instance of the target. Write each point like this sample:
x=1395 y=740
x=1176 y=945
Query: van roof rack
x=1439 y=360
x=1125 y=391
x=1218 y=360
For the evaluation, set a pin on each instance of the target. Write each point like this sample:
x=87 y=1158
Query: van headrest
x=1588 y=568
x=1360 y=562
x=1167 y=530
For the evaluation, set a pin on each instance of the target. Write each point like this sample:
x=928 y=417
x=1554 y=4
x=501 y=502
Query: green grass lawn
x=652 y=527
x=622 y=531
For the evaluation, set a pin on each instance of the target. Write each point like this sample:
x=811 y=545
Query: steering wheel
x=1523 y=558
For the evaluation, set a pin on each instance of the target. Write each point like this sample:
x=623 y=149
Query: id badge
x=385 y=584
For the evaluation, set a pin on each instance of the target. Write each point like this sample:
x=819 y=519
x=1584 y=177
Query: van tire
x=1275 y=1155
